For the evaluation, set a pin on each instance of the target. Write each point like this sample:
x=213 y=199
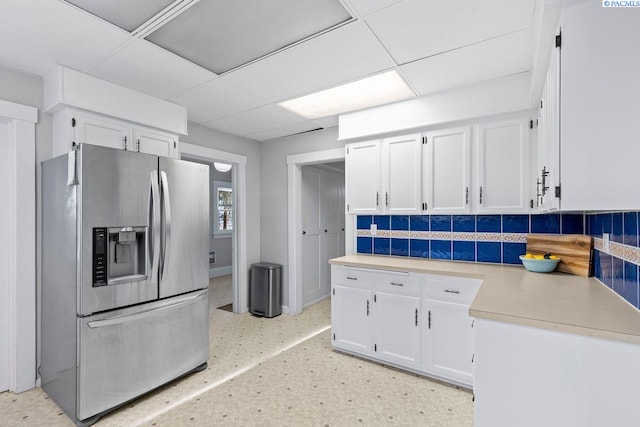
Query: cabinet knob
x=325 y=230
x=304 y=232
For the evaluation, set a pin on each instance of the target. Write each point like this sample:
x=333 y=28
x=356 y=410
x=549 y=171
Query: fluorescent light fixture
x=368 y=92
x=222 y=167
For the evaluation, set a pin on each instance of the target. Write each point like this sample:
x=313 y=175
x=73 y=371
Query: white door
x=397 y=326
x=448 y=340
x=502 y=168
x=100 y=131
x=446 y=170
x=150 y=142
x=312 y=248
x=363 y=177
x=341 y=220
x=331 y=211
x=402 y=174
x=549 y=137
x=351 y=314
x=4 y=257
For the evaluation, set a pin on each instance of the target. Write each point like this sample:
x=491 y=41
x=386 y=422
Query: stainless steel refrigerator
x=125 y=274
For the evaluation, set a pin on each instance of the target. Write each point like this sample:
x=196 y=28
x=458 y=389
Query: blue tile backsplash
x=619 y=268
x=502 y=239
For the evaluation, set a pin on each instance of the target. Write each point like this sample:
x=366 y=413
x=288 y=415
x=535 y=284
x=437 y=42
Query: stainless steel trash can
x=265 y=289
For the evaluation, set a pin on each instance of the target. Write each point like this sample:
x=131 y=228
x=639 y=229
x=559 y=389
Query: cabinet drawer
x=462 y=291
x=397 y=283
x=356 y=277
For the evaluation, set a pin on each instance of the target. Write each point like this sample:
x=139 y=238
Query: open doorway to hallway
x=323 y=227
x=221 y=236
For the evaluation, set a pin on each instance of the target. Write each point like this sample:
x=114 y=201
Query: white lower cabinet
x=415 y=321
x=448 y=341
x=397 y=331
x=352 y=324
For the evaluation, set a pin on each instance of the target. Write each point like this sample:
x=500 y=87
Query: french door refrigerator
x=125 y=274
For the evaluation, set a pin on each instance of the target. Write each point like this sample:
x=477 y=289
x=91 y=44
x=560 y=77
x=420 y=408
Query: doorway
x=295 y=163
x=323 y=228
x=227 y=256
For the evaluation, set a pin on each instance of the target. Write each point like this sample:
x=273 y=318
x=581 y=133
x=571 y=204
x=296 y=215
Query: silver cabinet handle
x=480 y=194
x=396 y=284
x=451 y=292
x=164 y=188
x=351 y=278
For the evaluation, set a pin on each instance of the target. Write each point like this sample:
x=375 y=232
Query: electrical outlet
x=605 y=242
x=374 y=229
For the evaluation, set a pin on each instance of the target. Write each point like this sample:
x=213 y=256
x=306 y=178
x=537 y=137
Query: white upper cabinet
x=153 y=142
x=362 y=169
x=401 y=171
x=92 y=129
x=82 y=127
x=384 y=176
x=446 y=170
x=548 y=165
x=501 y=151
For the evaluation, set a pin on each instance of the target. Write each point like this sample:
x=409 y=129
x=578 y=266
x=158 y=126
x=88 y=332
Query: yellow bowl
x=539 y=265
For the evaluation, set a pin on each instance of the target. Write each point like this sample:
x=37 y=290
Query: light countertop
x=555 y=301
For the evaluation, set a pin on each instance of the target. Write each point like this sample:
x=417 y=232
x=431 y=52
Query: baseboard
x=315 y=301
x=220 y=271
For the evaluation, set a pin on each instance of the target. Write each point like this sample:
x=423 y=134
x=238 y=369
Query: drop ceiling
x=231 y=62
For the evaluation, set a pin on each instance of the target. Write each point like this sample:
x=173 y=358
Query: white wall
x=27 y=89
x=206 y=137
x=274 y=192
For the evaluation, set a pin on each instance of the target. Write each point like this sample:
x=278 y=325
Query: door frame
x=20 y=235
x=294 y=222
x=239 y=184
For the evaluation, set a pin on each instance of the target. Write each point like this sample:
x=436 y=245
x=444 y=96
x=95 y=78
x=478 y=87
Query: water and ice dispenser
x=119 y=255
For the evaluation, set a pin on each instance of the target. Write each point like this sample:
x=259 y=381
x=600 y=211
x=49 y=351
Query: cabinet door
x=502 y=168
x=152 y=142
x=363 y=177
x=549 y=137
x=95 y=130
x=397 y=329
x=448 y=341
x=401 y=173
x=351 y=324
x=446 y=170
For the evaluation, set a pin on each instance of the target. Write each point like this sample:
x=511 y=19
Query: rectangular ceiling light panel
x=372 y=91
x=126 y=14
x=221 y=35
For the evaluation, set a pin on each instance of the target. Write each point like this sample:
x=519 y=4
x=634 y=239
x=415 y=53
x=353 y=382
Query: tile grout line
x=232 y=376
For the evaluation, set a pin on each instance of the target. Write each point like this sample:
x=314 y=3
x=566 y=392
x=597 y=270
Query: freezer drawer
x=125 y=353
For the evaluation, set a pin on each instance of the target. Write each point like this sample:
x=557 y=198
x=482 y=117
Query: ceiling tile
x=509 y=54
x=137 y=66
x=417 y=29
x=46 y=33
x=253 y=121
x=284 y=131
x=364 y=8
x=339 y=56
x=221 y=97
x=222 y=35
x=126 y=14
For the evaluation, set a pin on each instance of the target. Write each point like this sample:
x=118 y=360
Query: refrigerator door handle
x=153 y=239
x=164 y=187
x=116 y=320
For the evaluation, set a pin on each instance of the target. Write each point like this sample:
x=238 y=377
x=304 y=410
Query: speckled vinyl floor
x=273 y=372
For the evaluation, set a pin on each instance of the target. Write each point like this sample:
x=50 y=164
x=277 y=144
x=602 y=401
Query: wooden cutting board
x=574 y=251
